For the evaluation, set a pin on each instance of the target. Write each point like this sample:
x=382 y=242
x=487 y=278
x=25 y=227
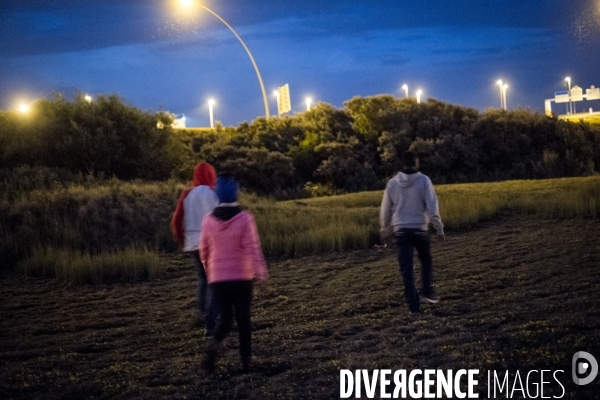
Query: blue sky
x=329 y=50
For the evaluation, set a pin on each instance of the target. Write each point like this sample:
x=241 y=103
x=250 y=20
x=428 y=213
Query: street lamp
x=504 y=87
x=570 y=109
x=276 y=93
x=499 y=82
x=405 y=87
x=211 y=103
x=419 y=93
x=190 y=3
x=308 y=101
x=87 y=98
x=24 y=108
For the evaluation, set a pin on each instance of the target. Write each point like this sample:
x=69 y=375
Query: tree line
x=323 y=150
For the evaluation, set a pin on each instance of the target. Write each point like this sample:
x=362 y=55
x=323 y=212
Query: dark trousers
x=206 y=303
x=236 y=294
x=407 y=240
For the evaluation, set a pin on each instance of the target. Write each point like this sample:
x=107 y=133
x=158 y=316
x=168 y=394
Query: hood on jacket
x=225 y=213
x=224 y=224
x=406 y=179
x=204 y=174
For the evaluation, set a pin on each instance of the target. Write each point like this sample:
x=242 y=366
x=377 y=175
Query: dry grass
x=117 y=215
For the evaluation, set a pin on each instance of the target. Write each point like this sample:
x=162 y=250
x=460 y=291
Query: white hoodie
x=409 y=201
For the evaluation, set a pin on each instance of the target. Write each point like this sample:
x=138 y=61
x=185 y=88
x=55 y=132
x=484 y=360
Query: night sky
x=330 y=50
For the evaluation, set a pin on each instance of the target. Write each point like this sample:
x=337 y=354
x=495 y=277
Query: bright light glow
x=419 y=93
x=211 y=103
x=88 y=98
x=405 y=87
x=499 y=82
x=24 y=108
x=308 y=101
x=568 y=79
x=276 y=93
x=186 y=3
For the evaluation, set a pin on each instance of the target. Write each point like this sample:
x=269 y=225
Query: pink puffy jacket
x=230 y=250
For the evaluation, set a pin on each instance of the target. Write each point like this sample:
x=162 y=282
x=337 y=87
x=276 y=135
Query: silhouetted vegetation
x=322 y=151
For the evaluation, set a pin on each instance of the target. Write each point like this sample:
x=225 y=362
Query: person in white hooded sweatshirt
x=409 y=204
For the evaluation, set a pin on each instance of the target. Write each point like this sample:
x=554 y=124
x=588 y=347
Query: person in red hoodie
x=186 y=224
x=231 y=253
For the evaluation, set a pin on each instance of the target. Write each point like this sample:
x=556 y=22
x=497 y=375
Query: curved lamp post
x=188 y=3
x=405 y=87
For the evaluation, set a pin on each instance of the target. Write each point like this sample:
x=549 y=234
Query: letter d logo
x=583 y=367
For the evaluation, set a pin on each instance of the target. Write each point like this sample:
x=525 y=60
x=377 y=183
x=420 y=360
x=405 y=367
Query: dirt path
x=517 y=293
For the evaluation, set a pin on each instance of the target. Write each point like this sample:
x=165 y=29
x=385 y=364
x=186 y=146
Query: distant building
x=179 y=123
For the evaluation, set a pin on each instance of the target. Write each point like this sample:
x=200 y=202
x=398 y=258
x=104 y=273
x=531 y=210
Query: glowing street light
x=190 y=4
x=211 y=103
x=419 y=93
x=87 y=98
x=276 y=93
x=499 y=82
x=504 y=87
x=308 y=101
x=405 y=87
x=570 y=110
x=24 y=108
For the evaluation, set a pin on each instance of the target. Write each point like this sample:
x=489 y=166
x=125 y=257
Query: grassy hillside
x=132 y=218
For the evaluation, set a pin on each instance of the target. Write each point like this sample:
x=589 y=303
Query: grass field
x=118 y=219
x=518 y=292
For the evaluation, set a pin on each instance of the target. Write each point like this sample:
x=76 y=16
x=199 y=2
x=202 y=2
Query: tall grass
x=351 y=221
x=70 y=222
x=70 y=266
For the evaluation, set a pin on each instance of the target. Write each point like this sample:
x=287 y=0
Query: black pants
x=239 y=295
x=407 y=239
x=206 y=305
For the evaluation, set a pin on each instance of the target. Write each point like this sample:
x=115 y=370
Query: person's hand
x=386 y=234
x=441 y=237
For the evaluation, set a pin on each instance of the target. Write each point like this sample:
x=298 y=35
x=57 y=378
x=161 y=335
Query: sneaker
x=432 y=299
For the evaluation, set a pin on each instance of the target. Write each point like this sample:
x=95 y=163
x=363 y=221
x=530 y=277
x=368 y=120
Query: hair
x=409 y=159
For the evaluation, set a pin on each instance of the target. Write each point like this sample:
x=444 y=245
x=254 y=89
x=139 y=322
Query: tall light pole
x=308 y=101
x=499 y=82
x=190 y=3
x=568 y=79
x=504 y=87
x=419 y=93
x=211 y=103
x=276 y=93
x=405 y=87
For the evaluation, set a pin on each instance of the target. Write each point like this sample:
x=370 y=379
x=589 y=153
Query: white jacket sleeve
x=432 y=208
x=385 y=212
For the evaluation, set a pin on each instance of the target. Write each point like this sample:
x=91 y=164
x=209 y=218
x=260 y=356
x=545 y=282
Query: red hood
x=204 y=174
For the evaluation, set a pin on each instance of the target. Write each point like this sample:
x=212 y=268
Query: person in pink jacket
x=232 y=257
